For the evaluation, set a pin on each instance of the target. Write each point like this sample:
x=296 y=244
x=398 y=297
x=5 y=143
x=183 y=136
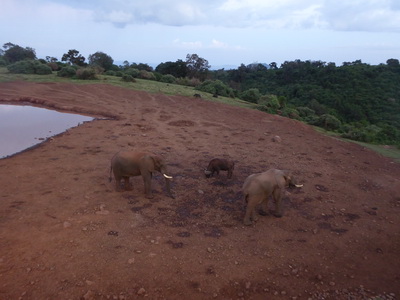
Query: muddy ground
x=65 y=233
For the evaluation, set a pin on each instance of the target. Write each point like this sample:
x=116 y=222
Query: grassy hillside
x=169 y=89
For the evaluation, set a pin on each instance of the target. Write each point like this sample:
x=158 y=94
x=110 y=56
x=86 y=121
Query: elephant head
x=286 y=179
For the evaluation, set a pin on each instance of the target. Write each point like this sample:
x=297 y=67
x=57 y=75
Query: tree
x=178 y=69
x=14 y=53
x=197 y=66
x=73 y=57
x=101 y=59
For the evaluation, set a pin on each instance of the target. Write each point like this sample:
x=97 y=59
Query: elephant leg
x=250 y=215
x=229 y=174
x=277 y=195
x=117 y=183
x=147 y=184
x=264 y=207
x=127 y=186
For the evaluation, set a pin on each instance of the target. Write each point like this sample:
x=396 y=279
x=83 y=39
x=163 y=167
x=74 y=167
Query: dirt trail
x=66 y=234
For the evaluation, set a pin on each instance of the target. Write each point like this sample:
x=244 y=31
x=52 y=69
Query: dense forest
x=356 y=100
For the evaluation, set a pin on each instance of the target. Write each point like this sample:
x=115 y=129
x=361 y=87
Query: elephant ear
x=285 y=179
x=157 y=163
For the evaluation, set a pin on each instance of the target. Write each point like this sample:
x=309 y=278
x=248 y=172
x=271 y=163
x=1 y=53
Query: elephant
x=258 y=187
x=125 y=164
x=219 y=164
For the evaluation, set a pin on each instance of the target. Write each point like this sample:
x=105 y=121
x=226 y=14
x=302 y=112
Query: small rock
x=141 y=291
x=89 y=295
x=131 y=261
x=67 y=224
x=248 y=284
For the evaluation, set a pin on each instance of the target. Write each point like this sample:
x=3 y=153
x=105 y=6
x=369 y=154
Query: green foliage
x=29 y=67
x=101 y=59
x=3 y=61
x=352 y=93
x=86 y=73
x=290 y=112
x=73 y=57
x=127 y=78
x=196 y=66
x=14 y=53
x=178 y=69
x=168 y=78
x=328 y=122
x=68 y=71
x=133 y=72
x=251 y=95
x=271 y=101
x=143 y=74
x=110 y=73
x=216 y=87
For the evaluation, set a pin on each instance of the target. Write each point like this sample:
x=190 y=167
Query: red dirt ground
x=67 y=234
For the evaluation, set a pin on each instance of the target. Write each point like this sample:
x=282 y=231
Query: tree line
x=357 y=100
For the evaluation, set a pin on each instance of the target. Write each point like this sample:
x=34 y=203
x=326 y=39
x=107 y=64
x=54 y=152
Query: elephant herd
x=257 y=188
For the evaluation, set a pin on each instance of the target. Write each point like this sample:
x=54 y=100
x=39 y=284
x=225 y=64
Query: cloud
x=349 y=15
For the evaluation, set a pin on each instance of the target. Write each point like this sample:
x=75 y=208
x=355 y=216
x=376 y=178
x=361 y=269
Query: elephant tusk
x=298 y=185
x=207 y=172
x=166 y=176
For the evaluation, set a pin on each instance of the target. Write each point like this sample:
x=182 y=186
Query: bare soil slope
x=65 y=233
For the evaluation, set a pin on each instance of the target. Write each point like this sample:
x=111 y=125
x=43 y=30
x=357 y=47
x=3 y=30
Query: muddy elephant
x=257 y=188
x=219 y=164
x=125 y=164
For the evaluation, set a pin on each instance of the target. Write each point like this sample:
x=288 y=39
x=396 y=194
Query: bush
x=328 y=122
x=110 y=73
x=146 y=75
x=86 y=73
x=127 y=78
x=290 y=112
x=53 y=66
x=67 y=72
x=42 y=69
x=3 y=61
x=271 y=101
x=216 y=87
x=29 y=67
x=251 y=95
x=168 y=78
x=133 y=72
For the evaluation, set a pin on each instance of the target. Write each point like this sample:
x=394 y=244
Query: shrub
x=328 y=122
x=168 y=78
x=133 y=72
x=216 y=87
x=3 y=61
x=110 y=73
x=127 y=78
x=290 y=112
x=86 y=73
x=53 y=66
x=29 y=67
x=251 y=95
x=146 y=75
x=42 y=69
x=67 y=72
x=270 y=101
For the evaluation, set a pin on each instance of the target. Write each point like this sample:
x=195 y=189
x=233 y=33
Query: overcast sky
x=225 y=32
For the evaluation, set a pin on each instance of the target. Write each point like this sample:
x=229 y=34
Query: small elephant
x=129 y=163
x=219 y=164
x=258 y=187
